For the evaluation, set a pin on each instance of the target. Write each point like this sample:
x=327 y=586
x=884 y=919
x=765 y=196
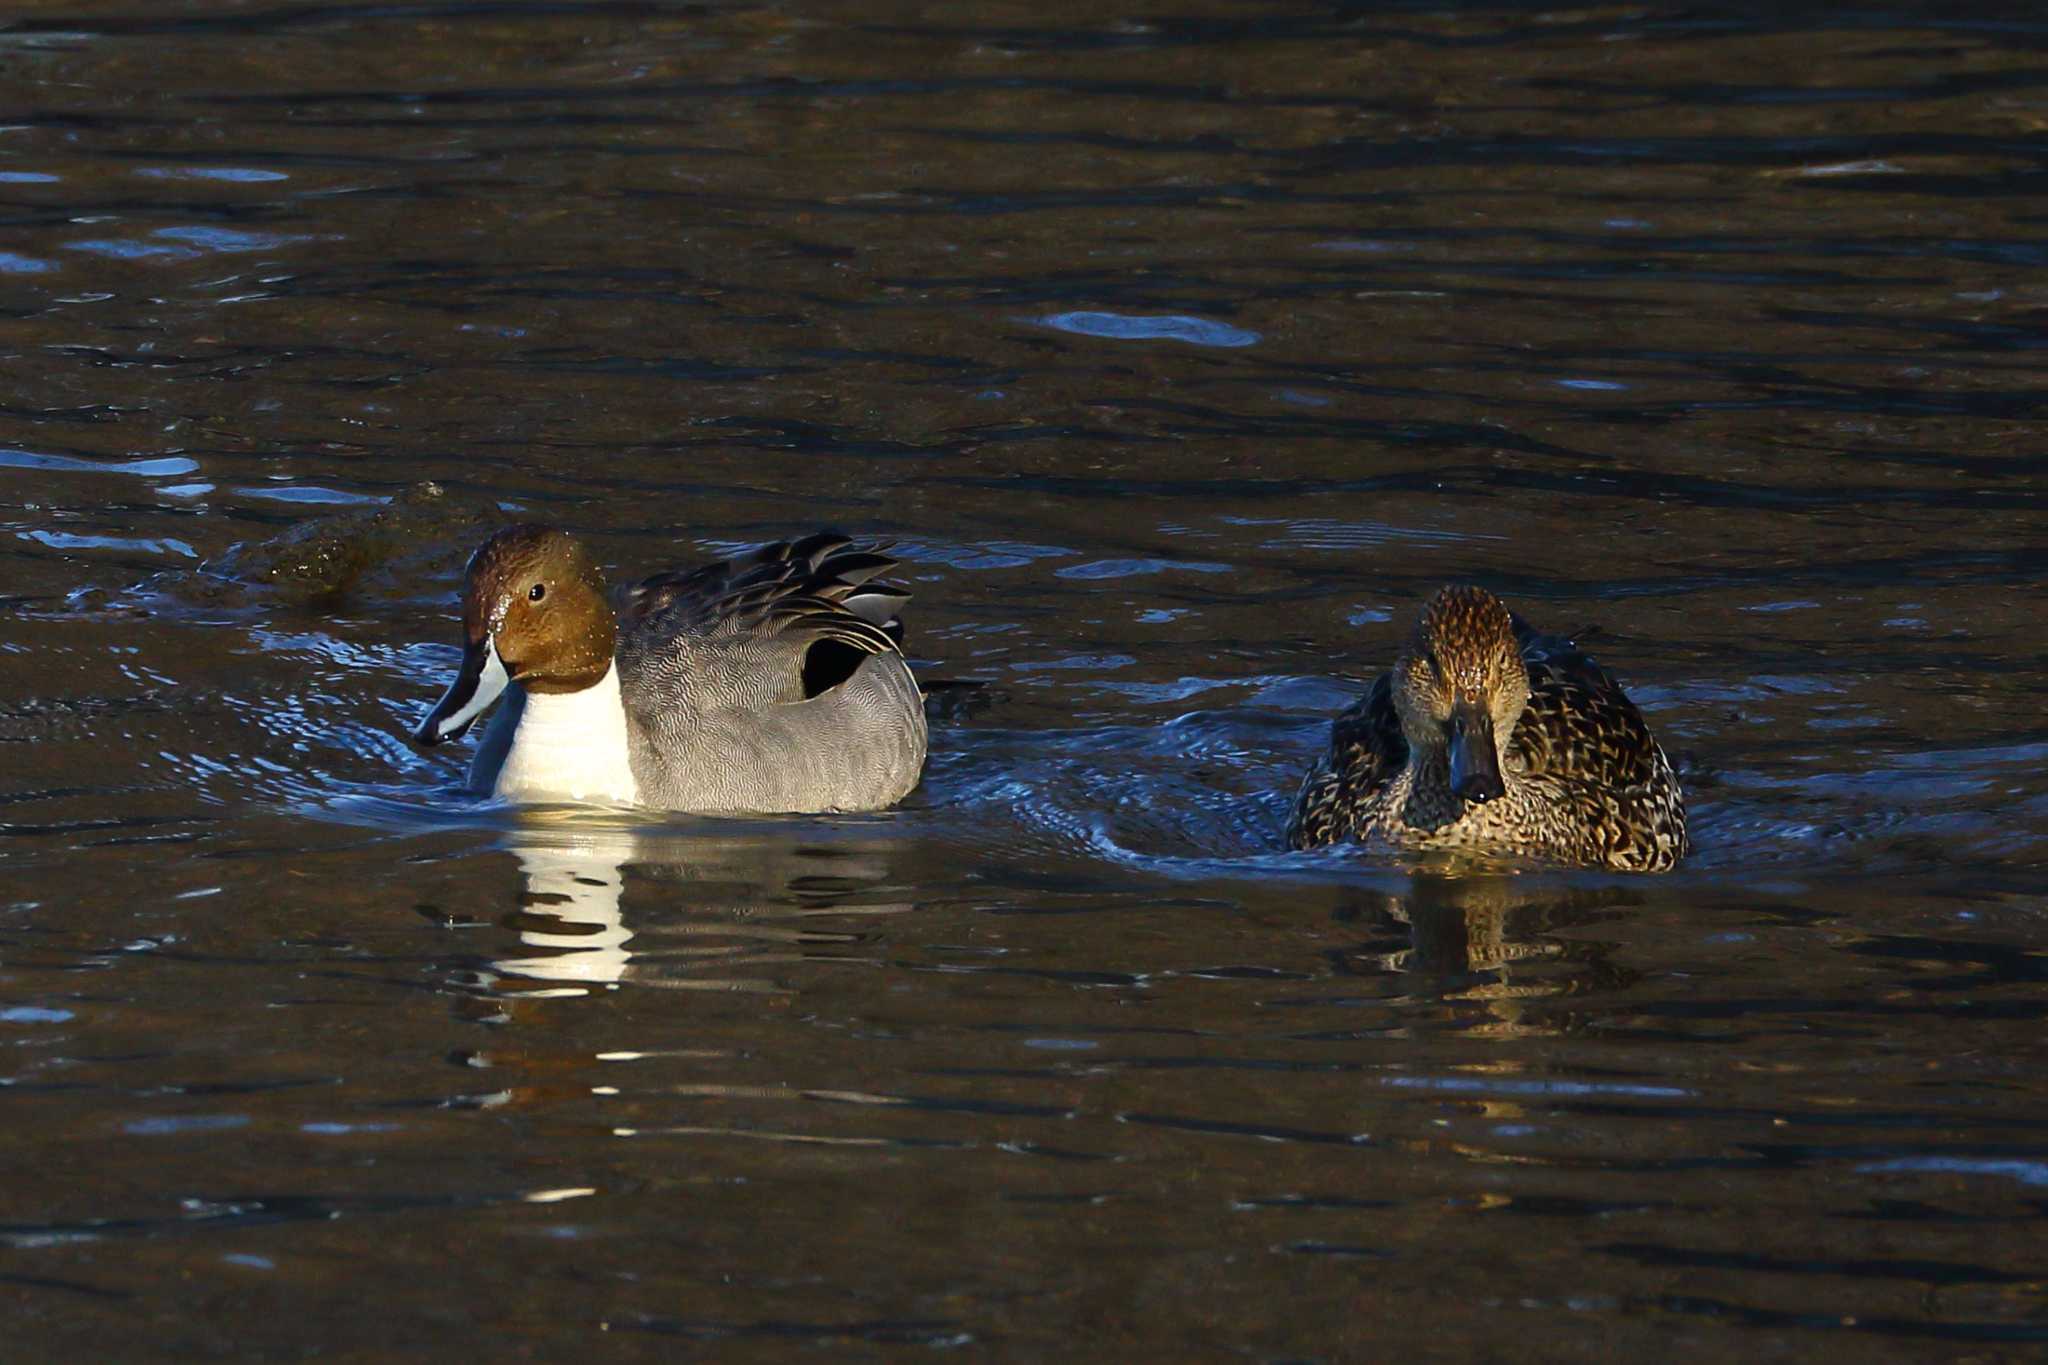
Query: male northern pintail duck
x=1488 y=738
x=773 y=681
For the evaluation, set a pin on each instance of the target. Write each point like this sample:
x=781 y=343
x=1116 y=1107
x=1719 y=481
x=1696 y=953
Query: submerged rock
x=397 y=552
x=386 y=549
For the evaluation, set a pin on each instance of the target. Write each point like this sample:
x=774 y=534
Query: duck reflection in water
x=749 y=898
x=1493 y=940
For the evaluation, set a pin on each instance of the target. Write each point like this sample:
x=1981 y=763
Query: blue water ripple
x=1164 y=327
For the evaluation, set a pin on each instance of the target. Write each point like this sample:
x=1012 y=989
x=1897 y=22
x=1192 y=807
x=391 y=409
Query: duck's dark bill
x=475 y=687
x=1475 y=762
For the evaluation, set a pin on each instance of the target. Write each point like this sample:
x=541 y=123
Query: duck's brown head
x=1460 y=686
x=533 y=613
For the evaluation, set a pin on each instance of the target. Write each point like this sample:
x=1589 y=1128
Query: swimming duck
x=1489 y=738
x=773 y=681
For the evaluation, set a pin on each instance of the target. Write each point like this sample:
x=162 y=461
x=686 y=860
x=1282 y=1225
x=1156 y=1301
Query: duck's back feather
x=1367 y=751
x=817 y=587
x=1579 y=725
x=773 y=680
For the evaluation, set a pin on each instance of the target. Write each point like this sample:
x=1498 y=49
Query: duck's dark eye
x=536 y=592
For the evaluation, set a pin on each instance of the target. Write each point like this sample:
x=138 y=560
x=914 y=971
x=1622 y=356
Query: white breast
x=567 y=746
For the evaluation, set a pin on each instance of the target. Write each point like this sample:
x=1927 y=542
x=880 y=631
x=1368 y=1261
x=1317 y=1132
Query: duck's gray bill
x=478 y=684
x=1475 y=765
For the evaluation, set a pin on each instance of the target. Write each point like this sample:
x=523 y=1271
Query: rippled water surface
x=1183 y=350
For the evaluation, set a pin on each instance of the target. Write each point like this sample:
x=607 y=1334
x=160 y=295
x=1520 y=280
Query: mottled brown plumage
x=1491 y=739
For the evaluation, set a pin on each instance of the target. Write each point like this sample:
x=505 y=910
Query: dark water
x=1183 y=349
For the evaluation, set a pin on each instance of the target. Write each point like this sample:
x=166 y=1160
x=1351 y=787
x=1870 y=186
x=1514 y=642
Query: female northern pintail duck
x=774 y=681
x=1488 y=738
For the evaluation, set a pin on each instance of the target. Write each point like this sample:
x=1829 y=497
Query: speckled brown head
x=1460 y=683
x=533 y=613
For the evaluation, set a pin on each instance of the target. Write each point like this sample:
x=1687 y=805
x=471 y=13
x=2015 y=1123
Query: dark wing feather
x=820 y=585
x=1367 y=750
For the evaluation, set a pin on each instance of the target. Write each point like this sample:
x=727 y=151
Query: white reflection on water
x=579 y=882
x=724 y=905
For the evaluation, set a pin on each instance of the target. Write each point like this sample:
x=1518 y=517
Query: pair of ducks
x=775 y=681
